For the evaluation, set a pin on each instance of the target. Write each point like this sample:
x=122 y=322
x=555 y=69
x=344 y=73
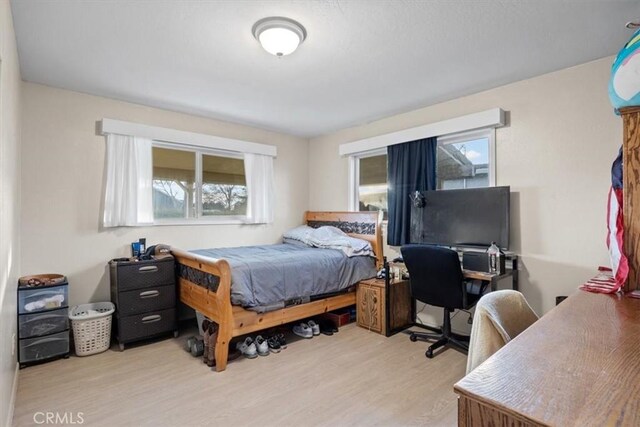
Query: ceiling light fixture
x=279 y=36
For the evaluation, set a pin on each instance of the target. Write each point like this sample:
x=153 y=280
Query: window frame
x=199 y=219
x=453 y=138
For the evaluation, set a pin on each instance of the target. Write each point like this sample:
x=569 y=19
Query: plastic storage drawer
x=38 y=324
x=40 y=348
x=33 y=300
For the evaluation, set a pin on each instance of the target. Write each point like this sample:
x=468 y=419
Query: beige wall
x=10 y=86
x=62 y=182
x=556 y=155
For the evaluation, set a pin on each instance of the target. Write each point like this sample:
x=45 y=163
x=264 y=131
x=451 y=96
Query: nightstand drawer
x=146 y=299
x=145 y=325
x=144 y=275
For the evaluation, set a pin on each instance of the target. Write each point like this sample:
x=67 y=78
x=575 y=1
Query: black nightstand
x=144 y=293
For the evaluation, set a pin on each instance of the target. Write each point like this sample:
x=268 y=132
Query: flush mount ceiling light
x=279 y=36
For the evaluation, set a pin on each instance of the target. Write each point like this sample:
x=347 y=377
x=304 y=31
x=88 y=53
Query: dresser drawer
x=40 y=348
x=144 y=275
x=138 y=326
x=38 y=324
x=146 y=299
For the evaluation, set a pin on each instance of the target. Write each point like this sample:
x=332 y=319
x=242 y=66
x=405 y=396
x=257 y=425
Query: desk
x=579 y=365
x=511 y=270
x=493 y=279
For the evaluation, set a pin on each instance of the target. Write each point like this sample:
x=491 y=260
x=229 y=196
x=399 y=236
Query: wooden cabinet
x=384 y=309
x=144 y=293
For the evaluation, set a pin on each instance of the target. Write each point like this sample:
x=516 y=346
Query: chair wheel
x=413 y=338
x=429 y=353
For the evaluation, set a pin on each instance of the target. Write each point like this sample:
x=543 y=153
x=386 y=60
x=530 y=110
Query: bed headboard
x=363 y=225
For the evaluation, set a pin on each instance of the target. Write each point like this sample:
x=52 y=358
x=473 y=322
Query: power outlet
x=13 y=344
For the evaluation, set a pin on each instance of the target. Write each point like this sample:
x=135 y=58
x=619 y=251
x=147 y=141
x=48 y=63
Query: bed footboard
x=205 y=285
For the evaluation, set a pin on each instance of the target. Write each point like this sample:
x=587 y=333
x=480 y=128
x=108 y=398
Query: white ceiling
x=362 y=60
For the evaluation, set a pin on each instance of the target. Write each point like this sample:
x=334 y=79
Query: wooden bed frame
x=213 y=298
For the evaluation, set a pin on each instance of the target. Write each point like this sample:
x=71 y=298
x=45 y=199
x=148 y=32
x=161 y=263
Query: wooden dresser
x=579 y=365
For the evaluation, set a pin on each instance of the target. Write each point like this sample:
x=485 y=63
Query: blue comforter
x=264 y=278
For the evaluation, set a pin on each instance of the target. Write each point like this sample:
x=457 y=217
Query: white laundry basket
x=91 y=324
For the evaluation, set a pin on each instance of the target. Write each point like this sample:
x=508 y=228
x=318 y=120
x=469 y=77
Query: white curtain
x=128 y=189
x=258 y=171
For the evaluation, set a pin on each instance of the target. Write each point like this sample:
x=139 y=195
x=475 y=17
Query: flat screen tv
x=463 y=218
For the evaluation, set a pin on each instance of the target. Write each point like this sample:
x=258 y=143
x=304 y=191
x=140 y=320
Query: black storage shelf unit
x=144 y=293
x=43 y=323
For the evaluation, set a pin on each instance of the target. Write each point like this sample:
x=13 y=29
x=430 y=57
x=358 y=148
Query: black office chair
x=436 y=279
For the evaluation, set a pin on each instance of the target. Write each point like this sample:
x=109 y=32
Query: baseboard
x=12 y=398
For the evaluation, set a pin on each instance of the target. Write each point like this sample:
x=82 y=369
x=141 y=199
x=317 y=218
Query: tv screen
x=465 y=218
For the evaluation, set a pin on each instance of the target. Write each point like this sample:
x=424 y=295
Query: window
x=197 y=183
x=372 y=182
x=224 y=189
x=465 y=160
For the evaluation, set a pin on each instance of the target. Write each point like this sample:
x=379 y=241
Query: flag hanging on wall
x=615 y=222
x=609 y=281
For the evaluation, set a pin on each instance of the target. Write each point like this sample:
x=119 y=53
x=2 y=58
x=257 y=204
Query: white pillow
x=301 y=234
x=334 y=238
x=329 y=237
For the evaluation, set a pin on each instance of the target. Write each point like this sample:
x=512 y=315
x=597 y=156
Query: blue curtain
x=411 y=167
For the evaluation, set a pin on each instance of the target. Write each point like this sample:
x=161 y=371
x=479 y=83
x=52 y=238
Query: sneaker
x=274 y=344
x=303 y=330
x=248 y=348
x=315 y=328
x=262 y=346
x=281 y=340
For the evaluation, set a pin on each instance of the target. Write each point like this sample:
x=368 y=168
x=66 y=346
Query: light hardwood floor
x=355 y=377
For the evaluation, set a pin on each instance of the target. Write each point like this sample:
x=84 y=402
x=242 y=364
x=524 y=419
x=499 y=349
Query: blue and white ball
x=624 y=85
